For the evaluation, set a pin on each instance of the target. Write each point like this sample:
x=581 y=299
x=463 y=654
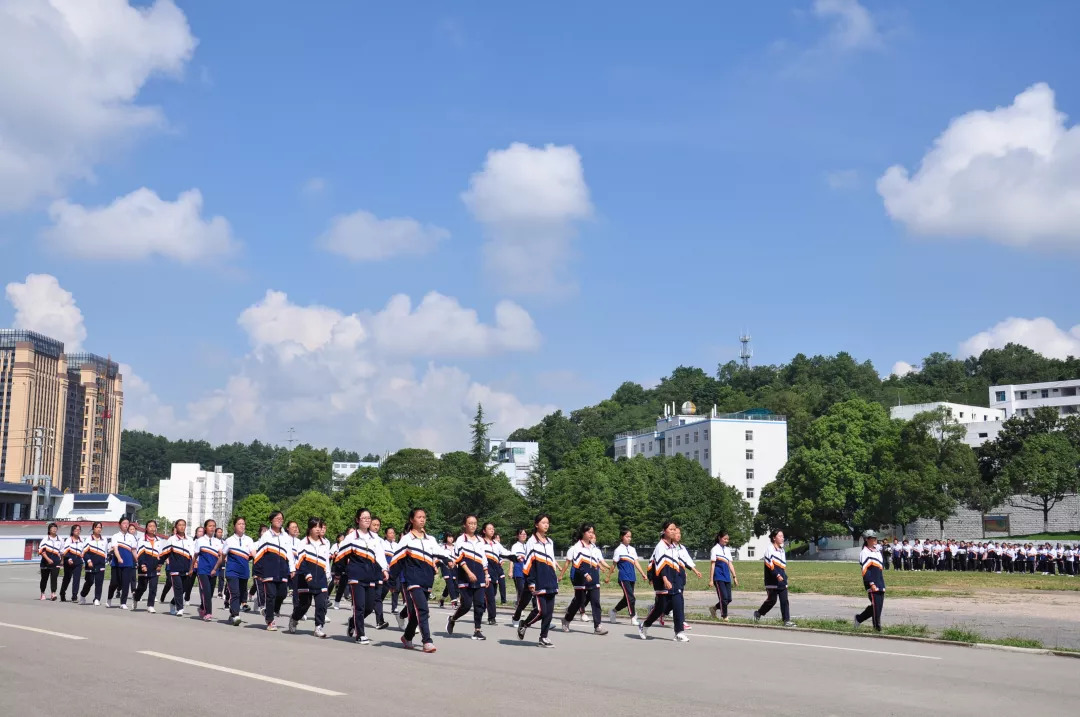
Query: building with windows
x=1023 y=399
x=745 y=450
x=514 y=459
x=341 y=470
x=196 y=495
x=60 y=414
x=983 y=424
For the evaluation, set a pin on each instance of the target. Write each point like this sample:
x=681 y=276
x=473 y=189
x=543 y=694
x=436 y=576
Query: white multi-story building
x=514 y=459
x=745 y=450
x=196 y=495
x=341 y=470
x=1023 y=399
x=982 y=423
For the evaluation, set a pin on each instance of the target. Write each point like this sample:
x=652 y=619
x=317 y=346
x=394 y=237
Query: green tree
x=255 y=510
x=374 y=496
x=314 y=504
x=297 y=471
x=479 y=431
x=1043 y=472
x=417 y=466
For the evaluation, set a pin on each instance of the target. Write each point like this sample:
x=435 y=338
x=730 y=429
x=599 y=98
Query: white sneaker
x=681 y=637
x=82 y=601
x=634 y=621
x=97 y=603
x=179 y=613
x=151 y=610
x=643 y=632
x=108 y=602
x=319 y=632
x=123 y=606
x=400 y=622
x=613 y=617
x=337 y=606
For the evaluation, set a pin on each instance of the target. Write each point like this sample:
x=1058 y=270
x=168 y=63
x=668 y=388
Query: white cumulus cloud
x=529 y=200
x=70 y=75
x=853 y=27
x=901 y=369
x=1040 y=334
x=42 y=305
x=140 y=225
x=361 y=236
x=1011 y=175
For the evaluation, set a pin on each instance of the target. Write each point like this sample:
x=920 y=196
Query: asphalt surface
x=121 y=660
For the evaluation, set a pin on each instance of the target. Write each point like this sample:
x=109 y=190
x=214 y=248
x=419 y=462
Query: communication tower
x=747 y=353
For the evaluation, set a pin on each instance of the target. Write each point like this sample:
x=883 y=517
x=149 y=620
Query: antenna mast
x=747 y=353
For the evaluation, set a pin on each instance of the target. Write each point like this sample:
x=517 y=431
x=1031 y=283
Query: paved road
x=722 y=670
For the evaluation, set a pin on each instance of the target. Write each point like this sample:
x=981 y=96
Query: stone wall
x=967 y=524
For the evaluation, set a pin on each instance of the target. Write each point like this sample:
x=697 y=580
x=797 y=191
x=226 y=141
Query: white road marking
x=43 y=632
x=242 y=673
x=823 y=647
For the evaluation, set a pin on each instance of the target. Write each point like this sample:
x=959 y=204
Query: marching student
x=191 y=578
x=237 y=554
x=312 y=577
x=522 y=595
x=366 y=570
x=51 y=551
x=664 y=567
x=179 y=557
x=95 y=558
x=722 y=574
x=446 y=569
x=340 y=581
x=776 y=582
x=256 y=590
x=587 y=561
x=685 y=562
x=292 y=529
x=274 y=567
x=219 y=579
x=502 y=578
x=470 y=558
x=387 y=587
x=413 y=568
x=541 y=579
x=148 y=558
x=873 y=580
x=73 y=563
x=625 y=559
x=122 y=549
x=496 y=553
x=208 y=549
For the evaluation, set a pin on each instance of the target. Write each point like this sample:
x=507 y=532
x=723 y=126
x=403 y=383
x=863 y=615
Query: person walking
x=209 y=551
x=73 y=563
x=51 y=551
x=413 y=568
x=722 y=574
x=95 y=558
x=541 y=578
x=873 y=580
x=366 y=569
x=470 y=558
x=586 y=559
x=626 y=560
x=148 y=558
x=776 y=580
x=122 y=549
x=179 y=557
x=664 y=568
x=312 y=577
x=446 y=569
x=274 y=567
x=238 y=554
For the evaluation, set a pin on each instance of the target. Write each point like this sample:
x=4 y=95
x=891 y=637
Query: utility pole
x=292 y=437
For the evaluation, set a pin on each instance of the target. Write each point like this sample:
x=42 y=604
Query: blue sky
x=646 y=183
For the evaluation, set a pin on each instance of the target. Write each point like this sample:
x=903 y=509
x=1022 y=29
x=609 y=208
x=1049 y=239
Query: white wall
x=1021 y=398
x=189 y=493
x=958 y=412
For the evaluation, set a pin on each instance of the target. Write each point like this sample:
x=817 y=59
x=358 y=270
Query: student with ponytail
x=73 y=563
x=51 y=551
x=274 y=567
x=586 y=559
x=470 y=559
x=179 y=556
x=210 y=551
x=312 y=577
x=365 y=568
x=122 y=549
x=148 y=558
x=95 y=558
x=776 y=581
x=664 y=569
x=523 y=596
x=237 y=554
x=626 y=559
x=541 y=578
x=413 y=568
x=722 y=574
x=496 y=553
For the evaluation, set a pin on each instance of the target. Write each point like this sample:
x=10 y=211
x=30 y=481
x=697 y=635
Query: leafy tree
x=536 y=488
x=1043 y=472
x=255 y=509
x=580 y=493
x=370 y=458
x=318 y=505
x=374 y=496
x=417 y=466
x=339 y=455
x=480 y=452
x=297 y=471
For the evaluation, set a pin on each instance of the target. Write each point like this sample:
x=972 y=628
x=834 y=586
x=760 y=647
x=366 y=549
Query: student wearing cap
x=873 y=580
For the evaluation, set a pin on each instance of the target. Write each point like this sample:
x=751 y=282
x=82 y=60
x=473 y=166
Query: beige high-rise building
x=59 y=414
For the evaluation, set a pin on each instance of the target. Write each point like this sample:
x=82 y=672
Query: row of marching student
x=369 y=566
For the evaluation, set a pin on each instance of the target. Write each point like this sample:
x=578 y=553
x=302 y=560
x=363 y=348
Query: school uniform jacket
x=496 y=553
x=73 y=551
x=872 y=572
x=585 y=559
x=685 y=563
x=53 y=548
x=517 y=556
x=273 y=557
x=539 y=569
x=471 y=552
x=414 y=561
x=179 y=555
x=625 y=558
x=720 y=557
x=363 y=557
x=208 y=550
x=238 y=552
x=775 y=560
x=665 y=563
x=126 y=544
x=96 y=555
x=389 y=548
x=148 y=555
x=313 y=566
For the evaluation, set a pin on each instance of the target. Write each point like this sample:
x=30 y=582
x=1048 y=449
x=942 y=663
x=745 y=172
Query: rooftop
x=42 y=344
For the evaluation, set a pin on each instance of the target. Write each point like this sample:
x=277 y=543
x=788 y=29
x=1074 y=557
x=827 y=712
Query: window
x=749 y=492
x=749 y=474
x=982 y=435
x=696 y=457
x=669 y=444
x=749 y=454
x=678 y=440
x=1022 y=395
x=706 y=454
x=999 y=396
x=1045 y=393
x=706 y=434
x=1023 y=411
x=695 y=436
x=749 y=435
x=650 y=446
x=961 y=414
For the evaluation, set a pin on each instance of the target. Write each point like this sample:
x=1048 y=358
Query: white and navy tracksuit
x=364 y=560
x=238 y=555
x=874 y=582
x=208 y=551
x=95 y=558
x=625 y=558
x=666 y=562
x=519 y=551
x=413 y=567
x=51 y=551
x=337 y=571
x=542 y=581
x=496 y=553
x=387 y=587
x=470 y=552
x=776 y=582
x=148 y=560
x=273 y=565
x=122 y=549
x=446 y=568
x=312 y=579
x=73 y=563
x=585 y=560
x=179 y=557
x=720 y=557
